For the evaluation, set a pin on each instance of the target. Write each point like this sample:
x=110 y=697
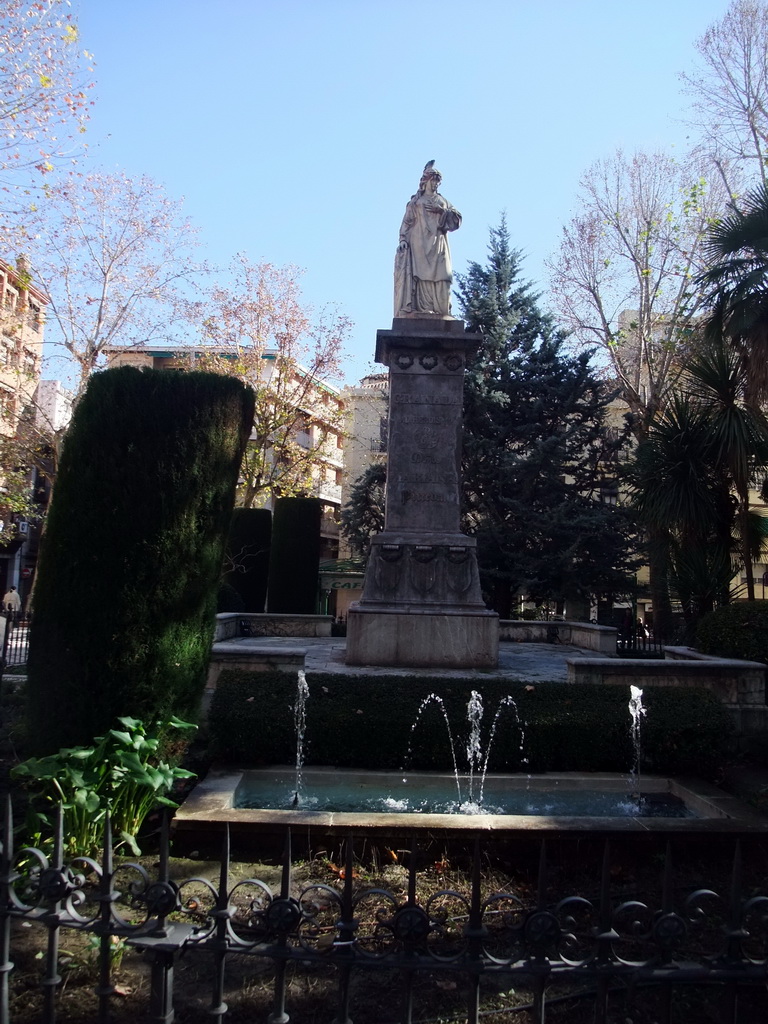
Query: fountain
x=406 y=792
x=476 y=762
x=636 y=713
x=422 y=607
x=332 y=798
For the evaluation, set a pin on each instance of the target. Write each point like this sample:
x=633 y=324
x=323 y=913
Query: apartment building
x=22 y=327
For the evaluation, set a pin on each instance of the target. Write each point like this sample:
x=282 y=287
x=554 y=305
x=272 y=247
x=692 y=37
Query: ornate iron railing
x=477 y=940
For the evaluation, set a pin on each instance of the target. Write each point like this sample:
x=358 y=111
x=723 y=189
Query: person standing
x=12 y=604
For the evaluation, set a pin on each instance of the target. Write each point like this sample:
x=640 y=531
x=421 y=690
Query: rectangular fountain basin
x=343 y=800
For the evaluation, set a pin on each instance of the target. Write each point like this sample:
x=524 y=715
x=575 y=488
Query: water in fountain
x=503 y=703
x=477 y=761
x=300 y=722
x=474 y=749
x=330 y=791
x=434 y=698
x=637 y=713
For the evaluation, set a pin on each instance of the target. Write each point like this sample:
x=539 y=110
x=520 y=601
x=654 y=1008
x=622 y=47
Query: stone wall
x=735 y=683
x=243 y=658
x=271 y=624
x=549 y=631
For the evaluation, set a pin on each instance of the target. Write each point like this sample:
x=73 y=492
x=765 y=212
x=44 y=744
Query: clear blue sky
x=297 y=130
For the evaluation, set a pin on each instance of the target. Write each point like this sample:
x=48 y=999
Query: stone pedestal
x=421 y=602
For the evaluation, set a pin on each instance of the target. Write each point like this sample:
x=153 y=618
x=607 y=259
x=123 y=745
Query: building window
x=34 y=319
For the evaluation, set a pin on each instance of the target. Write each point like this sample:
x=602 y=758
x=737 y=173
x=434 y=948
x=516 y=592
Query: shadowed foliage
x=735 y=287
x=294 y=557
x=247 y=556
x=125 y=596
x=358 y=721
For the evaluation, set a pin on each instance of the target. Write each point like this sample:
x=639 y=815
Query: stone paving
x=529 y=662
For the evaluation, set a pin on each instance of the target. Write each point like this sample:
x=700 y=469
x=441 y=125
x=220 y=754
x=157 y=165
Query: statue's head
x=431 y=173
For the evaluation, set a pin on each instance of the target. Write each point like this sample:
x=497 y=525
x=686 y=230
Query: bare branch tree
x=44 y=79
x=260 y=331
x=730 y=92
x=622 y=279
x=114 y=255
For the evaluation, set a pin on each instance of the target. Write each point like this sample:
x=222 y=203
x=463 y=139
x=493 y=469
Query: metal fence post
x=345 y=931
x=7 y=878
x=475 y=932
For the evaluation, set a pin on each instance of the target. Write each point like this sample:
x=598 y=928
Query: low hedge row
x=735 y=631
x=355 y=722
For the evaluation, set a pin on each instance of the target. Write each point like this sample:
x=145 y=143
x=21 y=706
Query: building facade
x=22 y=328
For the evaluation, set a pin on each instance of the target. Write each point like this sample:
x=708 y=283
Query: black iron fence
x=637 y=643
x=15 y=647
x=473 y=943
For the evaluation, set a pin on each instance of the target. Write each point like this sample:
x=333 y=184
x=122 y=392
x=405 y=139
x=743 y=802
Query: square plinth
x=419 y=639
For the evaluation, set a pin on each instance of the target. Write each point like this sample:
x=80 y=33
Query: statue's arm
x=451 y=219
x=408 y=219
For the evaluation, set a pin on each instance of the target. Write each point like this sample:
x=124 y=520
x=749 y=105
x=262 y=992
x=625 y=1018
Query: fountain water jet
x=477 y=761
x=637 y=712
x=300 y=722
x=436 y=699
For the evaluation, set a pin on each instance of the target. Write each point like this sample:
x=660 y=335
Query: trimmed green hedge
x=735 y=631
x=125 y=595
x=355 y=722
x=294 y=558
x=229 y=599
x=250 y=536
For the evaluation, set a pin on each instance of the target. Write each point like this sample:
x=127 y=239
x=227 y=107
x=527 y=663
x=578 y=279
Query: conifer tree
x=536 y=451
x=363 y=515
x=294 y=556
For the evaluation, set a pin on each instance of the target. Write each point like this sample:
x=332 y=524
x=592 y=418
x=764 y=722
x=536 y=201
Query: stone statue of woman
x=423 y=272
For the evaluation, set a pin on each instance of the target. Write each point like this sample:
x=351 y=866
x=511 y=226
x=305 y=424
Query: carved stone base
x=431 y=571
x=466 y=639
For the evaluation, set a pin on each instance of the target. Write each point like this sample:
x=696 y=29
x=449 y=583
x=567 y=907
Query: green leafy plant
x=123 y=772
x=736 y=631
x=85 y=960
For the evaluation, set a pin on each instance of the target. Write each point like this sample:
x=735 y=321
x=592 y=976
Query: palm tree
x=736 y=288
x=685 y=507
x=693 y=476
x=718 y=380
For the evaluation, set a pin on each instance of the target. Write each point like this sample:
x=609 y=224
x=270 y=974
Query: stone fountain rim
x=209 y=806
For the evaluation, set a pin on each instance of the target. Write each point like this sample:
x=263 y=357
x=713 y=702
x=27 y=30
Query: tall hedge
x=294 y=558
x=130 y=561
x=250 y=535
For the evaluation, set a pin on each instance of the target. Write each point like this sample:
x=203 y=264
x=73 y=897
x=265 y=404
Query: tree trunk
x=746 y=547
x=658 y=566
x=502 y=599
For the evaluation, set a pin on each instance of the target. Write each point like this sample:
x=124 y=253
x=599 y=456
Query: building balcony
x=328 y=492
